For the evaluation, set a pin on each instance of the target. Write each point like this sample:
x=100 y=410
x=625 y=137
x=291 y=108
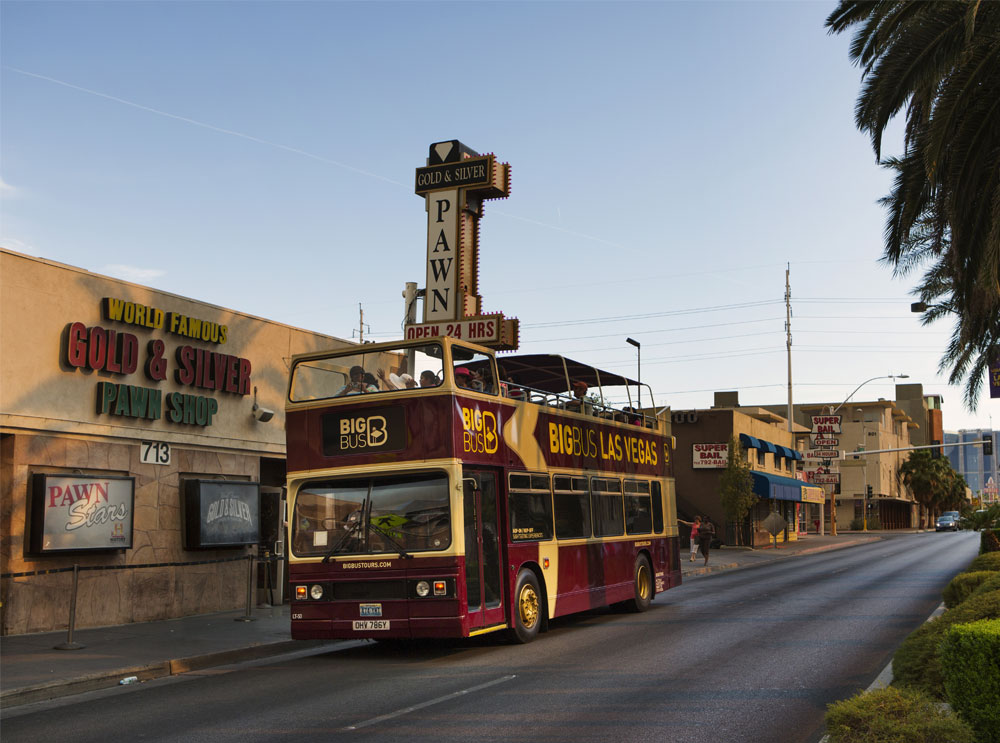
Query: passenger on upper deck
x=507 y=383
x=463 y=378
x=428 y=379
x=471 y=380
x=392 y=382
x=580 y=403
x=357 y=384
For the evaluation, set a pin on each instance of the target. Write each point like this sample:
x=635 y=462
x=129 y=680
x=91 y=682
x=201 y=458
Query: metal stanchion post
x=69 y=644
x=249 y=617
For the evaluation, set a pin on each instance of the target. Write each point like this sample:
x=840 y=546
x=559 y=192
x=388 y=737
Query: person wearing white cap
x=401 y=382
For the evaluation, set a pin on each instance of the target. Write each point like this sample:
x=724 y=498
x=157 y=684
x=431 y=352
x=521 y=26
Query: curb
x=175 y=667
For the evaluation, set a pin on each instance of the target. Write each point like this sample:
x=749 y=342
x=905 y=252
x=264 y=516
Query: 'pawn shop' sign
x=455 y=183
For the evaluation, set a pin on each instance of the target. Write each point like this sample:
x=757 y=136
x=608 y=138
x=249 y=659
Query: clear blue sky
x=669 y=159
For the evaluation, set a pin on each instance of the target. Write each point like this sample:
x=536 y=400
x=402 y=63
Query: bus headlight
x=423 y=588
x=316 y=591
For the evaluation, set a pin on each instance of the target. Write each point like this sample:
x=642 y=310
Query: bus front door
x=483 y=568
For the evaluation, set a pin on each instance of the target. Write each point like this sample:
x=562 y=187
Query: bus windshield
x=372 y=516
x=359 y=372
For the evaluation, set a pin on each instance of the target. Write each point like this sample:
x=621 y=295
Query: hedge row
x=917 y=663
x=964 y=585
x=894 y=715
x=985 y=561
x=989 y=541
x=970 y=661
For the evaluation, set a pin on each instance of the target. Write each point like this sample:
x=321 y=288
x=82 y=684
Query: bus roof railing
x=587 y=406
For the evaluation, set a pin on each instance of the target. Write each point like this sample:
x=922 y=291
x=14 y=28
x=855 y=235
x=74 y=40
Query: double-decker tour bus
x=435 y=493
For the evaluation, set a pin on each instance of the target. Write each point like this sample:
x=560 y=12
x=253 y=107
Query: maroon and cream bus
x=436 y=491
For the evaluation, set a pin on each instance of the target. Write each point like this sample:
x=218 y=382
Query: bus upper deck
x=392 y=380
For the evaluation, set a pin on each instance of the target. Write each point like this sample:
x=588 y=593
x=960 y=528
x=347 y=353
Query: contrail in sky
x=287 y=148
x=203 y=125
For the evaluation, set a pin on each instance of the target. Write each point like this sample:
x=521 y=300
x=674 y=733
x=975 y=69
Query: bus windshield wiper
x=343 y=539
x=392 y=540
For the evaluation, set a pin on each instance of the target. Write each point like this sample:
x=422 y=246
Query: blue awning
x=789 y=453
x=768 y=446
x=749 y=442
x=777 y=487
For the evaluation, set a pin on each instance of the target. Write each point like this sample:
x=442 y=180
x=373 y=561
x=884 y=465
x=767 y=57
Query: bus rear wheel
x=527 y=607
x=643 y=585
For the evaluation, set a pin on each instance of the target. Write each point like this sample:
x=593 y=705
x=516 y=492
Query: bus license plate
x=371 y=624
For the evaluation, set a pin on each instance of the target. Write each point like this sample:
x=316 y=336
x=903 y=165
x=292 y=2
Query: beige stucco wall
x=40 y=391
x=50 y=423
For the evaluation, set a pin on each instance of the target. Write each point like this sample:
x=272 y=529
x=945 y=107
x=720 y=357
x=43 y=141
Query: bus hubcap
x=644 y=583
x=528 y=605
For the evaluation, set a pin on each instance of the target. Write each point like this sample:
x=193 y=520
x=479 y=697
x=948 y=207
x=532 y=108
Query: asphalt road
x=751 y=655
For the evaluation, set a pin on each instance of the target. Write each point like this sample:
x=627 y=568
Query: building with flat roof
x=979 y=470
x=142 y=439
x=703 y=439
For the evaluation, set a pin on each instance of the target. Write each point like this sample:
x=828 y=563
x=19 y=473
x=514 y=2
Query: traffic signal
x=936 y=451
x=868 y=491
x=988 y=444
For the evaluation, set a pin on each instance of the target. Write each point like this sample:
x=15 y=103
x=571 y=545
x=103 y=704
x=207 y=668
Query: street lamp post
x=864 y=470
x=638 y=374
x=833 y=411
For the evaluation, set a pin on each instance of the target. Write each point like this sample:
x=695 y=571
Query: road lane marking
x=424 y=705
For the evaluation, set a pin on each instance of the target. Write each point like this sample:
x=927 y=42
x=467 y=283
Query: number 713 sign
x=154 y=452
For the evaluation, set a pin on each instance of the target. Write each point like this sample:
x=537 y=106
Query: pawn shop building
x=141 y=440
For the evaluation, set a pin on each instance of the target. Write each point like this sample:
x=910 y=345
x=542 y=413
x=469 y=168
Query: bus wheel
x=527 y=607
x=643 y=585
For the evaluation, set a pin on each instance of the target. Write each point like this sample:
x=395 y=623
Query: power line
x=669 y=313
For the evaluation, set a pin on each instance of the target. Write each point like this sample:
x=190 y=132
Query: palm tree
x=940 y=61
x=932 y=480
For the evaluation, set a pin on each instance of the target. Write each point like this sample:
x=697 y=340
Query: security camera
x=261 y=414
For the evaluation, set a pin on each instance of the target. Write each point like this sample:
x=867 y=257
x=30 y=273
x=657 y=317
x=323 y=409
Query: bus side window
x=530 y=505
x=608 y=508
x=571 y=498
x=638 y=519
x=657 y=508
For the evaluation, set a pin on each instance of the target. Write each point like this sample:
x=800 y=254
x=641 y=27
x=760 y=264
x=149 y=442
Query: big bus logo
x=480 y=435
x=363 y=432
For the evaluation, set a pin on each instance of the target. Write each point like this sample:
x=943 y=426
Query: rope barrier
x=81 y=568
x=252 y=560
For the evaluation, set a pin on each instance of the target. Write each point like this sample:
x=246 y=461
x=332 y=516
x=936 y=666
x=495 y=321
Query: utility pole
x=410 y=295
x=788 y=338
x=361 y=324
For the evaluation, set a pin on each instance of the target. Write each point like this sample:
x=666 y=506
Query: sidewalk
x=31 y=670
x=734 y=558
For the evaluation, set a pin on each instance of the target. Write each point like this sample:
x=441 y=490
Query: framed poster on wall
x=220 y=513
x=75 y=513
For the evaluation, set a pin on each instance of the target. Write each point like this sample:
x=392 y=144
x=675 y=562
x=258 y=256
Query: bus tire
x=643 y=585
x=527 y=607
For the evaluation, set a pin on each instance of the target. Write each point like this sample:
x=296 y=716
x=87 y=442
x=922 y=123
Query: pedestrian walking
x=695 y=525
x=705 y=536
